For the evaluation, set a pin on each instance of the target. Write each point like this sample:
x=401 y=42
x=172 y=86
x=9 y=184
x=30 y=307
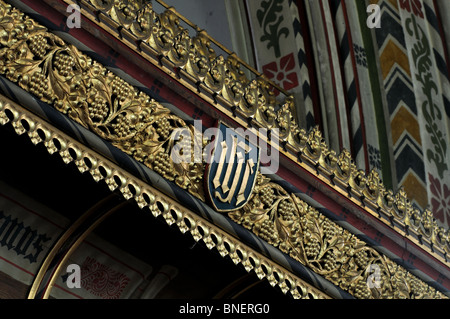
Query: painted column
x=429 y=94
x=280 y=52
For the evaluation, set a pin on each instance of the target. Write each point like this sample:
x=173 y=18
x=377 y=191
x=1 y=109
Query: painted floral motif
x=270 y=20
x=101 y=280
x=360 y=55
x=282 y=73
x=422 y=53
x=413 y=6
x=440 y=201
x=374 y=157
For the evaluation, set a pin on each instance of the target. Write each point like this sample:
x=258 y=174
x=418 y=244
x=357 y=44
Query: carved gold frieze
x=282 y=219
x=59 y=74
x=149 y=198
x=299 y=230
x=162 y=40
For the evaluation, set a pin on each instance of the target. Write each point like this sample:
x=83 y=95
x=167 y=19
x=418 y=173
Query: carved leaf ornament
x=59 y=74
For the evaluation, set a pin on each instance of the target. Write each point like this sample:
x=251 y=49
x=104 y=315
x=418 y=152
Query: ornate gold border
x=147 y=197
x=57 y=73
x=160 y=39
x=304 y=233
x=299 y=230
x=60 y=75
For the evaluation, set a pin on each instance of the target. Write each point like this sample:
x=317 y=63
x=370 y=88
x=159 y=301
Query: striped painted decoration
x=350 y=79
x=404 y=125
x=363 y=88
x=303 y=65
x=332 y=89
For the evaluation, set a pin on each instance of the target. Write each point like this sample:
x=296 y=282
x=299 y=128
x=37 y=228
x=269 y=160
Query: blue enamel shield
x=231 y=174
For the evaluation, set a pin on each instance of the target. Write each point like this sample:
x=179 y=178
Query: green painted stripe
x=377 y=95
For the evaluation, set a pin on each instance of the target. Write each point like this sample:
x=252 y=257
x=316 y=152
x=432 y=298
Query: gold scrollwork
x=254 y=102
x=286 y=222
x=159 y=204
x=59 y=74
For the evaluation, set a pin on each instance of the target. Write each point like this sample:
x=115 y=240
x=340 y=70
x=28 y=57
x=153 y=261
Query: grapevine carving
x=302 y=232
x=60 y=75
